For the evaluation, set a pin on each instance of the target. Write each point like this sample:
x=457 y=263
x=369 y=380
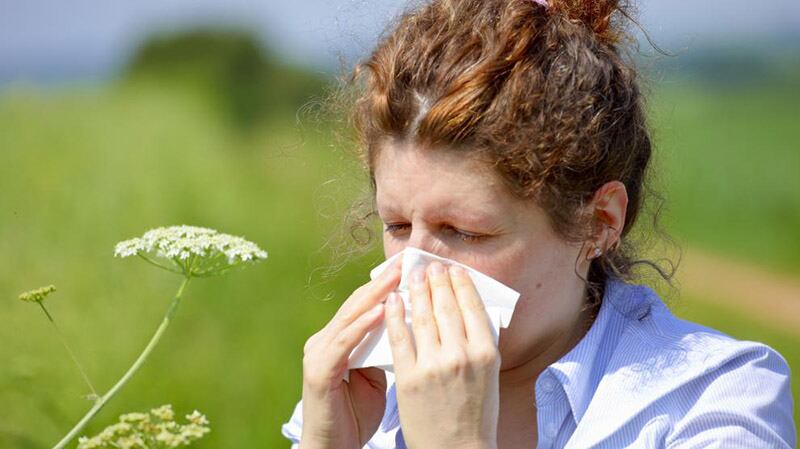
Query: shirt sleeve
x=745 y=403
x=293 y=428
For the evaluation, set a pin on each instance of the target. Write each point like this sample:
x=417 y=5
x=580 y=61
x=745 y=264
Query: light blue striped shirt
x=643 y=378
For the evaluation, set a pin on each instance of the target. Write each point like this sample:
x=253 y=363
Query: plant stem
x=154 y=263
x=69 y=350
x=128 y=374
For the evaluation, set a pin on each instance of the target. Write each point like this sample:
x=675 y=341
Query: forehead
x=437 y=182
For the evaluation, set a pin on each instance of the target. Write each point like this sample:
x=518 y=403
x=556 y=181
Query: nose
x=423 y=239
x=418 y=238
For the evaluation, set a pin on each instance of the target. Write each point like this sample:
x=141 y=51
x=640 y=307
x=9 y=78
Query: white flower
x=157 y=425
x=163 y=413
x=135 y=417
x=197 y=418
x=191 y=250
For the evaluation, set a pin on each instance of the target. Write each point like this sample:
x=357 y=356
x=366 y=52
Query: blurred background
x=117 y=117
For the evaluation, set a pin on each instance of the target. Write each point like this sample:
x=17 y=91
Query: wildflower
x=191 y=250
x=37 y=295
x=135 y=417
x=197 y=418
x=140 y=430
x=164 y=413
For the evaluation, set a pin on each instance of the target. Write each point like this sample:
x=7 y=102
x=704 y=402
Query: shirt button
x=548 y=385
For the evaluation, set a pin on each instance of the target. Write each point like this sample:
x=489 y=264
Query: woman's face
x=458 y=208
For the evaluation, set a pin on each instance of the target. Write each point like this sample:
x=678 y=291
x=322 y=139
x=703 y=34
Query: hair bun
x=597 y=15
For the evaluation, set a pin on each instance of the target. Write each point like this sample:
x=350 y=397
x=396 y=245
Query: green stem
x=163 y=267
x=128 y=374
x=69 y=350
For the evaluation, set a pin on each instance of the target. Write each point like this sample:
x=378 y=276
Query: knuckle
x=310 y=343
x=340 y=340
x=395 y=332
x=487 y=357
x=348 y=315
x=437 y=281
x=476 y=305
x=454 y=363
x=463 y=283
x=361 y=289
x=307 y=347
x=421 y=320
x=445 y=305
x=427 y=373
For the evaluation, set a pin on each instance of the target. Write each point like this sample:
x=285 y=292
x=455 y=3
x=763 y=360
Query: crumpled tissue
x=374 y=350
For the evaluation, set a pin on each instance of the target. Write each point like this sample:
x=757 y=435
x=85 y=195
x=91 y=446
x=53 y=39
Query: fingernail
x=436 y=269
x=417 y=277
x=455 y=270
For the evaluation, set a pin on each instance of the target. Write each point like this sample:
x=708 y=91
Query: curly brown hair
x=546 y=95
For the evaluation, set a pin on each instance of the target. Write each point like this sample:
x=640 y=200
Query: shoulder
x=738 y=392
x=704 y=384
x=659 y=339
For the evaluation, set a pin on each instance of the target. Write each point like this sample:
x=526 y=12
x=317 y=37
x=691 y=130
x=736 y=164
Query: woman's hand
x=448 y=387
x=338 y=414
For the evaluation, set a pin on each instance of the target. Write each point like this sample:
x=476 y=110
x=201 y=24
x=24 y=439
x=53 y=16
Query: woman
x=510 y=135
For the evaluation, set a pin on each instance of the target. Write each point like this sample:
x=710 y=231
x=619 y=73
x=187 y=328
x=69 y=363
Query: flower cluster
x=154 y=430
x=37 y=295
x=191 y=250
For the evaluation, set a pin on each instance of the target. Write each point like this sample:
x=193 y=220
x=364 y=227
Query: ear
x=608 y=208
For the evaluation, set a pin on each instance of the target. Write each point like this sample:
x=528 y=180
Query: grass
x=83 y=169
x=730 y=168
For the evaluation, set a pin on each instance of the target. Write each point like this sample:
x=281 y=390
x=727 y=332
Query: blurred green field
x=730 y=168
x=81 y=169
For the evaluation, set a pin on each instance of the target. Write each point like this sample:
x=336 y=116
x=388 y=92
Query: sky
x=52 y=40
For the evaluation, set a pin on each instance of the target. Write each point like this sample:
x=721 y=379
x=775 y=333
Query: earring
x=597 y=252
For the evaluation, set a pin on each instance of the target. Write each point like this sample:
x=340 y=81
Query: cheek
x=391 y=247
x=542 y=277
x=514 y=265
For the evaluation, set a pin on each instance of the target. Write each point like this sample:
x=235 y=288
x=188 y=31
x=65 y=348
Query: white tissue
x=375 y=351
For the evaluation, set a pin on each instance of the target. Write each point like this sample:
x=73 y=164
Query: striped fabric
x=642 y=378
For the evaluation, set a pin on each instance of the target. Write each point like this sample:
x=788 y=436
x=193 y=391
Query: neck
x=524 y=375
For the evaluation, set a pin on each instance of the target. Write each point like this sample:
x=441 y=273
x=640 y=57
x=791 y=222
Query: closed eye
x=396 y=228
x=392 y=228
x=464 y=235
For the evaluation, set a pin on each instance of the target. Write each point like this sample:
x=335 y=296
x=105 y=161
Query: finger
x=476 y=321
x=445 y=308
x=403 y=354
x=341 y=344
x=366 y=297
x=426 y=335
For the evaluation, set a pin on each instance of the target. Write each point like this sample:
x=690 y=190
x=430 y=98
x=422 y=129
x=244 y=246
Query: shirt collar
x=580 y=370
